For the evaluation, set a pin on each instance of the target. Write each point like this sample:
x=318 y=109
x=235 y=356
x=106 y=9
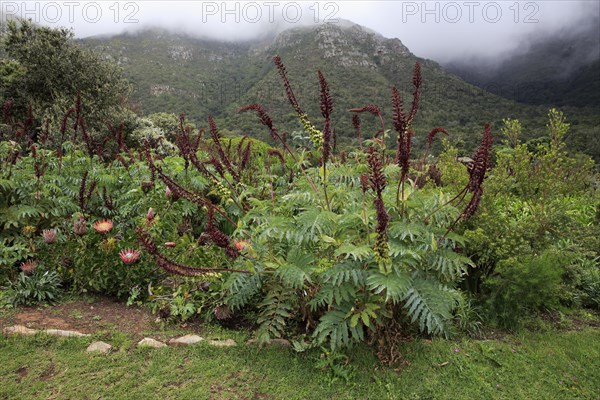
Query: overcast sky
x=434 y=29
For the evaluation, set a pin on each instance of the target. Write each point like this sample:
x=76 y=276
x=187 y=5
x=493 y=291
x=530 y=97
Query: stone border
x=105 y=348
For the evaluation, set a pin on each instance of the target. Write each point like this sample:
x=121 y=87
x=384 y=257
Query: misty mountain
x=183 y=74
x=560 y=68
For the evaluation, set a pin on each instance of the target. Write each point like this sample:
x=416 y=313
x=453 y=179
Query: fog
x=440 y=30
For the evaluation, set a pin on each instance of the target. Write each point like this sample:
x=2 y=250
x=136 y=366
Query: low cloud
x=440 y=30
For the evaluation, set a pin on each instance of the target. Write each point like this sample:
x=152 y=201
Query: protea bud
x=168 y=193
x=49 y=235
x=80 y=227
x=150 y=215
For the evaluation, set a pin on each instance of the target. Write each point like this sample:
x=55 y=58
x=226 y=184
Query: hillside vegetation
x=177 y=73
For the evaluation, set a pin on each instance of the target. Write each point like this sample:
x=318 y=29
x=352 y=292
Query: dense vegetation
x=44 y=71
x=299 y=239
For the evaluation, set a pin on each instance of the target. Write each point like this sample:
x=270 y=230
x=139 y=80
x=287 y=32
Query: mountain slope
x=176 y=73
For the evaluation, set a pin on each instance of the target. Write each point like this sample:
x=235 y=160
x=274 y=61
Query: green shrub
x=39 y=287
x=534 y=199
x=581 y=283
x=523 y=285
x=180 y=298
x=468 y=317
x=318 y=265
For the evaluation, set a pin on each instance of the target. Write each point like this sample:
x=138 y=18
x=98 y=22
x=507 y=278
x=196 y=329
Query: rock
x=19 y=330
x=60 y=332
x=185 y=340
x=149 y=342
x=222 y=343
x=23 y=330
x=99 y=347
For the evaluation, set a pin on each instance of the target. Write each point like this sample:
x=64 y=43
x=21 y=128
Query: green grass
x=546 y=365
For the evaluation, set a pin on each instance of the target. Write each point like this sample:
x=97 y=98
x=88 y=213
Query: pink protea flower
x=29 y=266
x=80 y=227
x=129 y=256
x=170 y=244
x=150 y=215
x=168 y=193
x=49 y=235
x=103 y=226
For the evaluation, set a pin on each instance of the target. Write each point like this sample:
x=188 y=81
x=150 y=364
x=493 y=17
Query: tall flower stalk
x=214 y=132
x=481 y=164
x=315 y=135
x=356 y=124
x=326 y=109
x=378 y=183
x=402 y=124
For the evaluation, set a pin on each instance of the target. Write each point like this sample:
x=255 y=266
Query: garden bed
x=92 y=315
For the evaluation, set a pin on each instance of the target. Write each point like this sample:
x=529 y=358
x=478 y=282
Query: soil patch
x=48 y=373
x=90 y=316
x=21 y=373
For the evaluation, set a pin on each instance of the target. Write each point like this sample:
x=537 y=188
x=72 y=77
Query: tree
x=47 y=69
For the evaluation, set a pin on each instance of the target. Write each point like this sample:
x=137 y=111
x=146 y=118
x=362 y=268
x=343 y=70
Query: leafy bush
x=180 y=298
x=366 y=248
x=39 y=287
x=313 y=263
x=49 y=69
x=537 y=197
x=523 y=285
x=581 y=283
x=146 y=130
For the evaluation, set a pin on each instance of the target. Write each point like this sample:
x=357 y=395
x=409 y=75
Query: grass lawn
x=534 y=365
